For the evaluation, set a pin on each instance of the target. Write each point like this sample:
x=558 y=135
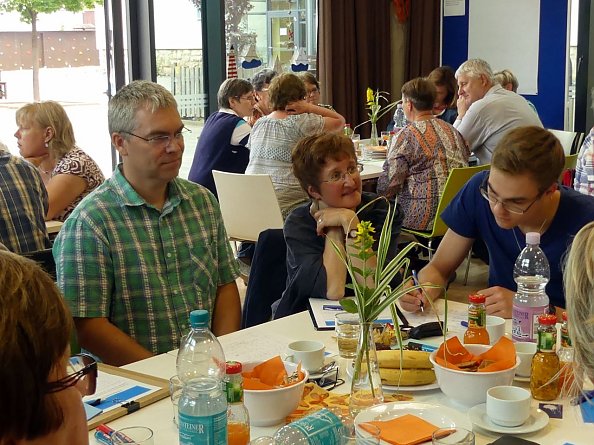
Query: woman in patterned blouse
x=45 y=138
x=421 y=156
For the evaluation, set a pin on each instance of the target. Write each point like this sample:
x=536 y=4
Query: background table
x=266 y=339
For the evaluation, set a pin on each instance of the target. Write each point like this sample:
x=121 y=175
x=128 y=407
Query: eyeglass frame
x=483 y=189
x=357 y=169
x=329 y=380
x=312 y=92
x=162 y=141
x=89 y=369
x=253 y=99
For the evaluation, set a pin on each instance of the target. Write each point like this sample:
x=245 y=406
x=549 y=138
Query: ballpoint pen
x=416 y=282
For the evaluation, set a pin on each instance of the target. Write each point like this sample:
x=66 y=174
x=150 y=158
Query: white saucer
x=517 y=378
x=538 y=420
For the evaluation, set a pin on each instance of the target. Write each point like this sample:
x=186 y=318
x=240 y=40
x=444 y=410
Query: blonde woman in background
x=45 y=138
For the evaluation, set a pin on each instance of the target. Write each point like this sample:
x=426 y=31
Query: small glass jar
x=476 y=333
x=544 y=379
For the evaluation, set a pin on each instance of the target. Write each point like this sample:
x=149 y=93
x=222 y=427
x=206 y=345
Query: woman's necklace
x=539 y=231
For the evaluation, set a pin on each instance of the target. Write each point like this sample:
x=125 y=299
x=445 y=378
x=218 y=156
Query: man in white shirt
x=486 y=110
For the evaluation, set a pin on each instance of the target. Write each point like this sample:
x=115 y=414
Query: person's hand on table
x=412 y=300
x=499 y=301
x=335 y=217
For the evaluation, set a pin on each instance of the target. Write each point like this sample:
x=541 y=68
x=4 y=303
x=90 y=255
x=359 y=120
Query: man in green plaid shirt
x=146 y=247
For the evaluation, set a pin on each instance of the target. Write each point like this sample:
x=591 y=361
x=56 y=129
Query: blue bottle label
x=203 y=430
x=321 y=427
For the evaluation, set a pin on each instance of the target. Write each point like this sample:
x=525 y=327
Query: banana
x=411 y=359
x=408 y=377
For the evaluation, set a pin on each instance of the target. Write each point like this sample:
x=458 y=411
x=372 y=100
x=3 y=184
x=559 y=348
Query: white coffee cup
x=309 y=353
x=495 y=328
x=525 y=350
x=508 y=406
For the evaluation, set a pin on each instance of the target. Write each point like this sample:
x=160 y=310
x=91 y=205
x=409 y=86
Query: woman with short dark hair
x=222 y=143
x=326 y=167
x=274 y=136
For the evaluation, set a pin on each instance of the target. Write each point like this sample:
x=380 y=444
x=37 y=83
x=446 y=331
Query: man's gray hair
x=475 y=68
x=121 y=115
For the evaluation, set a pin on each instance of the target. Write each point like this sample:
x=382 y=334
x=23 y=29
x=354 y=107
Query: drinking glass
x=135 y=435
x=357 y=435
x=385 y=138
x=175 y=391
x=455 y=435
x=347 y=327
x=356 y=138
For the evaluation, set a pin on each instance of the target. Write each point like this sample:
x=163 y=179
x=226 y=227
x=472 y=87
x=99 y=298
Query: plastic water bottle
x=531 y=273
x=202 y=406
x=200 y=353
x=399 y=118
x=322 y=427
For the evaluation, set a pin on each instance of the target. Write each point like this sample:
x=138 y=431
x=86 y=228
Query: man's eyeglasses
x=512 y=208
x=329 y=380
x=337 y=177
x=82 y=373
x=164 y=140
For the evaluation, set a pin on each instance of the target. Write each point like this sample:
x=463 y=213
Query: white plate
x=517 y=378
x=538 y=420
x=439 y=415
x=392 y=388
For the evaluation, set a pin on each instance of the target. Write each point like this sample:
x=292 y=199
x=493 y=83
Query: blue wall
x=550 y=100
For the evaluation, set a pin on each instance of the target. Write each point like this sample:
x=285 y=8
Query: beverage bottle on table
x=399 y=118
x=531 y=273
x=202 y=406
x=545 y=363
x=238 y=419
x=476 y=333
x=322 y=427
x=568 y=384
x=347 y=131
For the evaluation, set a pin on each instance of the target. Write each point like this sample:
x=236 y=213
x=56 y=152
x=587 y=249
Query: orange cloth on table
x=268 y=375
x=404 y=430
x=502 y=354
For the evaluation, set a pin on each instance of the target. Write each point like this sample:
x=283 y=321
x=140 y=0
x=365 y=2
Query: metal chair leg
x=430 y=250
x=467 y=266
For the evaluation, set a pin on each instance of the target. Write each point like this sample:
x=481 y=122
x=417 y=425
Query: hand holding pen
x=416 y=281
x=410 y=301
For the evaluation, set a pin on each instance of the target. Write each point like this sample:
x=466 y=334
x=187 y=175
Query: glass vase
x=366 y=386
x=374 y=137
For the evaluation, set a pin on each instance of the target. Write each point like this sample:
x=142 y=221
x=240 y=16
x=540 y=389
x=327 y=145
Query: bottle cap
x=533 y=238
x=199 y=318
x=233 y=367
x=477 y=298
x=547 y=319
x=399 y=105
x=564 y=316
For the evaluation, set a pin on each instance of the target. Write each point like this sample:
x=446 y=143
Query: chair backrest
x=570 y=162
x=248 y=204
x=456 y=180
x=571 y=141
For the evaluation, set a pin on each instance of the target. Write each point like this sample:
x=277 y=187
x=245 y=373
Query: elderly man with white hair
x=486 y=110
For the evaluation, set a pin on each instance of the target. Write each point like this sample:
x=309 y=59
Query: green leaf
x=349 y=305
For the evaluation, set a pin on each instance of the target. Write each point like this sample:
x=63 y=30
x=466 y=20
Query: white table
x=158 y=416
x=53 y=226
x=371 y=169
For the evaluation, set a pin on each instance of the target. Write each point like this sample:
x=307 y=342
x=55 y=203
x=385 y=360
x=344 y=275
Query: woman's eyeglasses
x=336 y=177
x=329 y=380
x=82 y=373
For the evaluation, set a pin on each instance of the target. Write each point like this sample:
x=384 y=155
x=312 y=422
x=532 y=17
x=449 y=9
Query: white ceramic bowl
x=270 y=406
x=470 y=388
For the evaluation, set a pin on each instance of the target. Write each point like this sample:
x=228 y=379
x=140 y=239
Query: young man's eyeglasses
x=337 y=177
x=82 y=373
x=487 y=193
x=164 y=140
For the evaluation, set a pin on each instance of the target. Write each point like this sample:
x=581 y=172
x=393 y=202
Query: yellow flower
x=370 y=97
x=364 y=234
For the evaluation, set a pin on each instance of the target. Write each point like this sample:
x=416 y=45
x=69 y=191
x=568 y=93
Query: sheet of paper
x=454 y=7
x=114 y=390
x=323 y=311
x=255 y=348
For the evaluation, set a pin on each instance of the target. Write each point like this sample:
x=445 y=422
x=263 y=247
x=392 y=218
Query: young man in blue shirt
x=520 y=194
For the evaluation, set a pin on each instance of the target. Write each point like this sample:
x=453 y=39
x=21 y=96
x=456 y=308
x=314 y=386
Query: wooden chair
x=570 y=140
x=248 y=204
x=456 y=180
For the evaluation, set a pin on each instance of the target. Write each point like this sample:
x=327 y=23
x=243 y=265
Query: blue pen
x=332 y=307
x=464 y=323
x=414 y=346
x=416 y=281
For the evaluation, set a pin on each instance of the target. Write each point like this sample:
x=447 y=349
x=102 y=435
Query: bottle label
x=320 y=428
x=203 y=430
x=477 y=317
x=525 y=322
x=547 y=341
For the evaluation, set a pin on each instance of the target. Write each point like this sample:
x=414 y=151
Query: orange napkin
x=268 y=375
x=503 y=355
x=404 y=430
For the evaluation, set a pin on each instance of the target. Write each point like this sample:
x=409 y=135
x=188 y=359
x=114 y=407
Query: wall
x=550 y=100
